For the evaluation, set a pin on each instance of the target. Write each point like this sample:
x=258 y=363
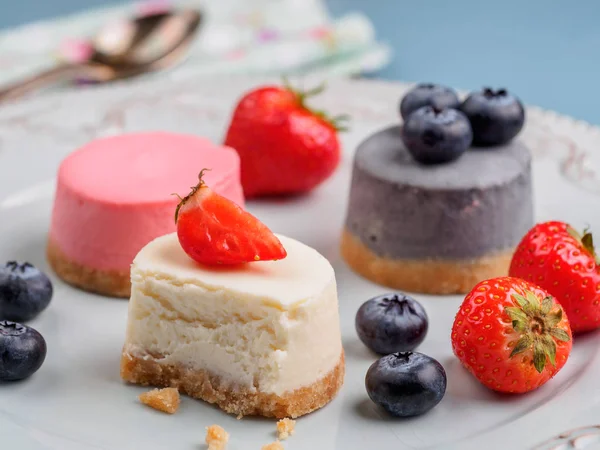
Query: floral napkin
x=269 y=37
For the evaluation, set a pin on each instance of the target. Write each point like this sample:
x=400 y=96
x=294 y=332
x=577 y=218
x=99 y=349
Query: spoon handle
x=63 y=72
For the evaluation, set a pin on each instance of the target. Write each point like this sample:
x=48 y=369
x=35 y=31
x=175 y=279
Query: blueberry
x=434 y=136
x=428 y=94
x=391 y=323
x=22 y=351
x=24 y=292
x=496 y=116
x=406 y=384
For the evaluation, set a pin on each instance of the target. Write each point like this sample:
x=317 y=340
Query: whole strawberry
x=511 y=335
x=557 y=258
x=284 y=147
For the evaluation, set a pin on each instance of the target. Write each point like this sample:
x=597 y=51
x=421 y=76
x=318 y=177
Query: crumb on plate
x=285 y=428
x=165 y=400
x=216 y=437
x=273 y=446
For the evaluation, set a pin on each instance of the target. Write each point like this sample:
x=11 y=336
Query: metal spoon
x=134 y=47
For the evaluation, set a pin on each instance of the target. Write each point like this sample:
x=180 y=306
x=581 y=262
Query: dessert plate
x=77 y=400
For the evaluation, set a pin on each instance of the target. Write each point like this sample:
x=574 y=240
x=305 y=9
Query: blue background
x=545 y=51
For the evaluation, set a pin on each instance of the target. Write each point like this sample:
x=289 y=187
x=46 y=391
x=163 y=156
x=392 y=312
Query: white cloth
x=238 y=36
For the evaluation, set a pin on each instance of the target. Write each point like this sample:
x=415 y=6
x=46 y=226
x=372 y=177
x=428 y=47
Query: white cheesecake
x=258 y=339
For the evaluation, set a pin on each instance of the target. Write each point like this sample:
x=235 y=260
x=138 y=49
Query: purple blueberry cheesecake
x=431 y=212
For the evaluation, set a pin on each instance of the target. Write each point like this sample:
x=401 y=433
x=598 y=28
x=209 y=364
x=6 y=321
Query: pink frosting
x=114 y=195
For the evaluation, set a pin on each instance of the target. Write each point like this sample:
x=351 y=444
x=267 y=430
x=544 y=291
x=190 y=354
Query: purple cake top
x=385 y=156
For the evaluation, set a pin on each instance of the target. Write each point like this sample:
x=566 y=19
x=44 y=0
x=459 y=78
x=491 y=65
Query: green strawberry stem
x=339 y=123
x=536 y=322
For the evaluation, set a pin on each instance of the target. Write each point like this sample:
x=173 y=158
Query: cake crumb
x=273 y=446
x=165 y=400
x=285 y=428
x=216 y=437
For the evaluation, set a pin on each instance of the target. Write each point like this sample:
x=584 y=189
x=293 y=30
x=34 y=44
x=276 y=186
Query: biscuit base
x=113 y=283
x=426 y=276
x=203 y=385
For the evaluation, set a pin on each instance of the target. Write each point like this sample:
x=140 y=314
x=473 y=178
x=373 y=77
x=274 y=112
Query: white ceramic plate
x=77 y=401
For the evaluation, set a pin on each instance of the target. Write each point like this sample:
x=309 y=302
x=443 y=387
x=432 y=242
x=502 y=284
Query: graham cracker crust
x=113 y=283
x=203 y=385
x=440 y=277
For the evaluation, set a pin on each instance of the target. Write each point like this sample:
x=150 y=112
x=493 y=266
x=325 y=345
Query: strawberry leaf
x=549 y=348
x=313 y=92
x=560 y=334
x=530 y=309
x=519 y=319
x=533 y=300
x=539 y=356
x=521 y=301
x=520 y=326
x=554 y=318
x=522 y=344
x=516 y=313
x=338 y=123
x=588 y=243
x=547 y=304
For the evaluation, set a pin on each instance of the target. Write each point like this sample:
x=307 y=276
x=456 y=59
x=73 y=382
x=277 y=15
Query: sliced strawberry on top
x=214 y=230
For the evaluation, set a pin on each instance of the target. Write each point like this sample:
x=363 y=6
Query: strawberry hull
x=511 y=335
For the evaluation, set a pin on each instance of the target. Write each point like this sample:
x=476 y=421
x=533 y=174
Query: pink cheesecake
x=115 y=195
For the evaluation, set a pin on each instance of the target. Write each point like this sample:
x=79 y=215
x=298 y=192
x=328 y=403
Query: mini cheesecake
x=437 y=229
x=261 y=338
x=114 y=195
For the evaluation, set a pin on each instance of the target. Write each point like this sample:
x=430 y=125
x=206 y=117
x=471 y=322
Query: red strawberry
x=284 y=147
x=511 y=335
x=555 y=257
x=214 y=230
